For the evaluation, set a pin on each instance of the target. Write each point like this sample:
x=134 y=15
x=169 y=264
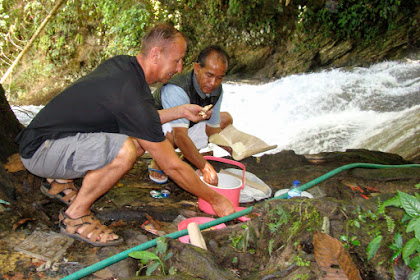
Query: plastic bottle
x=294 y=191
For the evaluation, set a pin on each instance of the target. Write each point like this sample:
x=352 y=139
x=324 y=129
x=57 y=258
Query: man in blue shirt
x=201 y=86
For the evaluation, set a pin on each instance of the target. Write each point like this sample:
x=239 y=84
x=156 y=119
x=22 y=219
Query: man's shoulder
x=173 y=94
x=118 y=61
x=182 y=80
x=120 y=67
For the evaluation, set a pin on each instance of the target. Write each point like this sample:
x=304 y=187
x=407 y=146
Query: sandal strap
x=57 y=187
x=93 y=227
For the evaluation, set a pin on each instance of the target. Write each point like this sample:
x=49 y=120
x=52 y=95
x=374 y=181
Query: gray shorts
x=72 y=157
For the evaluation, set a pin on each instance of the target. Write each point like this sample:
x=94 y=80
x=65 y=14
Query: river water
x=326 y=111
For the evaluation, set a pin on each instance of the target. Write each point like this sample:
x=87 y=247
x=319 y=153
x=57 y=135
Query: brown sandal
x=57 y=190
x=69 y=226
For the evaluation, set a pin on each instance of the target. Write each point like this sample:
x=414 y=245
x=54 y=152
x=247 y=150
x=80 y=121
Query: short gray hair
x=161 y=35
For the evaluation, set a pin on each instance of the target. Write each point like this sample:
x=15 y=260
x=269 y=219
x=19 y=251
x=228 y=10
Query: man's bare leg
x=98 y=182
x=225 y=119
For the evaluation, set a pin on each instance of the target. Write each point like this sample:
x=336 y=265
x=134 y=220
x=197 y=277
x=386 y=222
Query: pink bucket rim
x=225 y=160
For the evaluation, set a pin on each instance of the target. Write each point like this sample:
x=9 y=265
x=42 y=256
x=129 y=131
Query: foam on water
x=326 y=111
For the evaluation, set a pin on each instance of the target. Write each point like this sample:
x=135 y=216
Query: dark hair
x=221 y=54
x=161 y=35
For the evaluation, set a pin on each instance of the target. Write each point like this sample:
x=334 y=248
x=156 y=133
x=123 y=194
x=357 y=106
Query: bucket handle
x=225 y=160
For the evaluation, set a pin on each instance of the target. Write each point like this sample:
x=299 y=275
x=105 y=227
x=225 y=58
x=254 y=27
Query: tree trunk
x=9 y=128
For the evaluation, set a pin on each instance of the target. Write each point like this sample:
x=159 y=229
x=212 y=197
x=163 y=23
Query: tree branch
x=28 y=45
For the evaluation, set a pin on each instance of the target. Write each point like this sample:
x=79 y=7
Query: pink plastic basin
x=199 y=220
x=228 y=186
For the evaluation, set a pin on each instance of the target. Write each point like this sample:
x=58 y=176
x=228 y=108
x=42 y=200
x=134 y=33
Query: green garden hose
x=118 y=257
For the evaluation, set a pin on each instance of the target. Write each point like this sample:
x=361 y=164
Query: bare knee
x=225 y=119
x=139 y=149
x=127 y=154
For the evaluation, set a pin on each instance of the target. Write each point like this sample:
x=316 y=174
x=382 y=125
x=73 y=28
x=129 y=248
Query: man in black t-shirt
x=97 y=128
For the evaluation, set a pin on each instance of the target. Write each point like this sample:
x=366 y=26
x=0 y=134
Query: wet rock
x=198 y=262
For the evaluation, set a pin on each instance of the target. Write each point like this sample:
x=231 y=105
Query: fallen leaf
x=20 y=222
x=14 y=164
x=330 y=253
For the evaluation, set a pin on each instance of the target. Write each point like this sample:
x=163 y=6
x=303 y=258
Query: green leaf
x=152 y=268
x=410 y=204
x=396 y=255
x=415 y=262
x=409 y=248
x=161 y=245
x=143 y=256
x=373 y=246
x=415 y=275
x=172 y=271
x=414 y=225
x=398 y=240
x=167 y=256
x=395 y=201
x=355 y=242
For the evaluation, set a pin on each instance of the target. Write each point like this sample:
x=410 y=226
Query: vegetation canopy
x=83 y=33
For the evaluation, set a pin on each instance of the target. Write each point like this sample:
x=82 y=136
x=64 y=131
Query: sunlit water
x=327 y=111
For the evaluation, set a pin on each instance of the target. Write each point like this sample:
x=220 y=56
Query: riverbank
x=125 y=207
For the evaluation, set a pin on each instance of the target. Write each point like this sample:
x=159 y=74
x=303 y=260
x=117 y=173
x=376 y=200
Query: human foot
x=155 y=174
x=88 y=229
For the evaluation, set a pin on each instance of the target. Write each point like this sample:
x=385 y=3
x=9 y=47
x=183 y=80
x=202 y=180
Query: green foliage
x=246 y=241
x=279 y=218
x=81 y=34
x=301 y=263
x=361 y=20
x=270 y=246
x=85 y=32
x=123 y=28
x=397 y=246
x=349 y=240
x=307 y=219
x=154 y=260
x=373 y=246
x=231 y=23
x=410 y=251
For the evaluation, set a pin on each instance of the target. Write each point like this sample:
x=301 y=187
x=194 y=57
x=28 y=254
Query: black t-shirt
x=113 y=98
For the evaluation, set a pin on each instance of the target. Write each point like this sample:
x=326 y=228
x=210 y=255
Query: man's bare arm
x=190 y=152
x=185 y=177
x=189 y=111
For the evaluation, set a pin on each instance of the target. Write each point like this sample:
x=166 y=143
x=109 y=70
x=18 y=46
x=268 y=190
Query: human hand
x=192 y=112
x=223 y=206
x=209 y=174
